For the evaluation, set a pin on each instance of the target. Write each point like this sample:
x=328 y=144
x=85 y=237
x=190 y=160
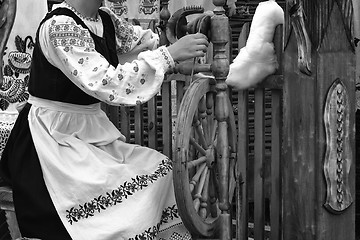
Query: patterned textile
x=17 y=58
x=142 y=10
x=208 y=5
x=7 y=121
x=101 y=186
x=124 y=188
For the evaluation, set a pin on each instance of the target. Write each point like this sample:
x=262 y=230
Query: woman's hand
x=189 y=46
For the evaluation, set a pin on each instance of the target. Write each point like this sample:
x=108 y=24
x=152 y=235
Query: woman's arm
x=75 y=55
x=133 y=82
x=132 y=40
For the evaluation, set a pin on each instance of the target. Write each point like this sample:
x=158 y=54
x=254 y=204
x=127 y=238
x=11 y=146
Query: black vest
x=48 y=82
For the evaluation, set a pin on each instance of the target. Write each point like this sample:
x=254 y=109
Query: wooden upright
x=220 y=69
x=318 y=124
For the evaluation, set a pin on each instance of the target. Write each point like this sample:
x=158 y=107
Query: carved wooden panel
x=338 y=157
x=317 y=18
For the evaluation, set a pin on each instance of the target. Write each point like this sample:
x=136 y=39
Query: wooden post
x=164 y=18
x=220 y=69
x=318 y=144
x=357 y=37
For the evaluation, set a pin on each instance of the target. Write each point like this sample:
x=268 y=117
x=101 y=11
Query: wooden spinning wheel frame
x=197 y=169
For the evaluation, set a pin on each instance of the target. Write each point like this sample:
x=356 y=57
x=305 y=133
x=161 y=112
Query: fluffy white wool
x=257 y=59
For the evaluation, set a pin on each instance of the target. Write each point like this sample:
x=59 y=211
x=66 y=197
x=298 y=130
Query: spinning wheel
x=200 y=142
x=205 y=154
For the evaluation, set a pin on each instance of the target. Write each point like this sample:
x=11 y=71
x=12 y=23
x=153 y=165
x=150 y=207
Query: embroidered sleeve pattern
x=70 y=35
x=132 y=38
x=72 y=50
x=125 y=36
x=159 y=59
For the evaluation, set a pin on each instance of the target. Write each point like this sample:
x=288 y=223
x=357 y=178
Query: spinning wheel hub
x=210 y=156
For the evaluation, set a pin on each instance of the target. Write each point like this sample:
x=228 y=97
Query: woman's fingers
x=199 y=54
x=189 y=46
x=202 y=41
x=202 y=48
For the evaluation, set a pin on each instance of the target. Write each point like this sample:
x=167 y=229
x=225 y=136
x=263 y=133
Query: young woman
x=72 y=174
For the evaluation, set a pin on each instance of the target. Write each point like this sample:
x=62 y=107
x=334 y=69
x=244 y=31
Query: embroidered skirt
x=74 y=177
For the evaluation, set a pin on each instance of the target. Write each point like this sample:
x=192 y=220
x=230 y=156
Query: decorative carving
x=296 y=13
x=338 y=157
x=317 y=15
x=120 y=8
x=148 y=7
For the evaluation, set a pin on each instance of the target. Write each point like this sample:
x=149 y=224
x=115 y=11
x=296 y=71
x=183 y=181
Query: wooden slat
x=276 y=129
x=139 y=125
x=259 y=210
x=242 y=208
x=112 y=112
x=180 y=90
x=166 y=118
x=275 y=199
x=272 y=82
x=125 y=122
x=242 y=203
x=152 y=123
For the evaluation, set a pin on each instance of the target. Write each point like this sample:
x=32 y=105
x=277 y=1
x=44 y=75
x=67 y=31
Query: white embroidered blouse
x=138 y=77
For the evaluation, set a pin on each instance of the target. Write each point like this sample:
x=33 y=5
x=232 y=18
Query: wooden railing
x=259 y=114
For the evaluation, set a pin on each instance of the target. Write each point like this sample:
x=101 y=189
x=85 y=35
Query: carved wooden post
x=319 y=113
x=164 y=18
x=220 y=69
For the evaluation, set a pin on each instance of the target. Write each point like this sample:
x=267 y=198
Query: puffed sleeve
x=70 y=47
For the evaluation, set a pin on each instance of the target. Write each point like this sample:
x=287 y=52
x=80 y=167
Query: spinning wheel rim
x=192 y=220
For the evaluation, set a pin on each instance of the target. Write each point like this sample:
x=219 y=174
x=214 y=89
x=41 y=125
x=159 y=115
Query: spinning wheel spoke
x=196 y=162
x=199 y=189
x=197 y=146
x=196 y=177
x=199 y=131
x=204 y=120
